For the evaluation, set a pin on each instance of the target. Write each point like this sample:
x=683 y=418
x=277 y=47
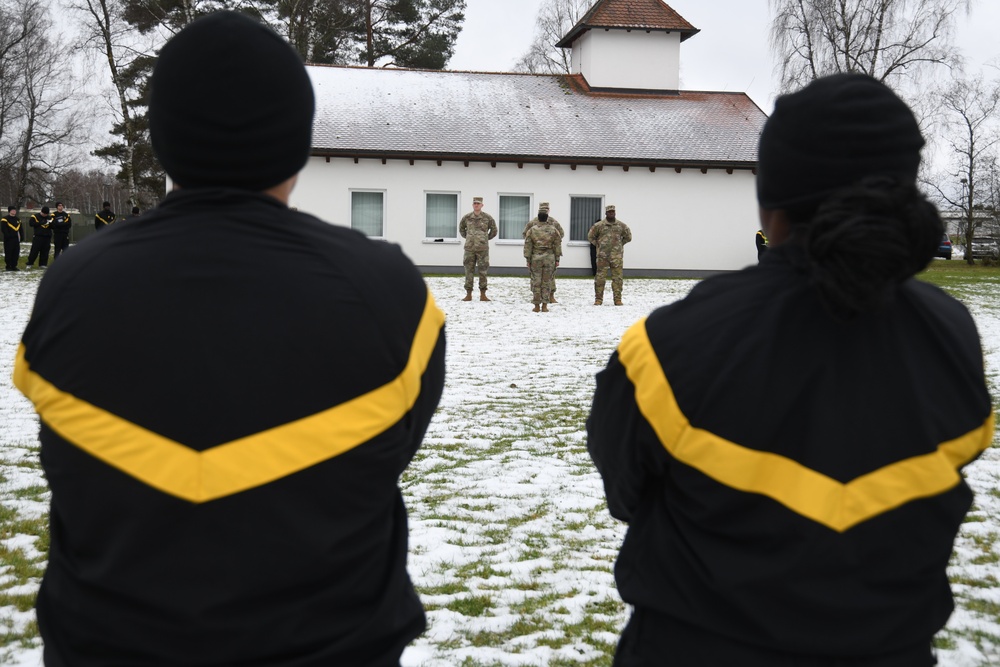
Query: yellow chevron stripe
x=241 y=464
x=809 y=493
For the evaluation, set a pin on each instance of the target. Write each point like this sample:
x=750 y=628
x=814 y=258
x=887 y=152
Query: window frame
x=382 y=236
x=582 y=242
x=518 y=239
x=454 y=238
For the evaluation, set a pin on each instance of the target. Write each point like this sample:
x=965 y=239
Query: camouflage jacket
x=477 y=229
x=534 y=221
x=541 y=239
x=609 y=237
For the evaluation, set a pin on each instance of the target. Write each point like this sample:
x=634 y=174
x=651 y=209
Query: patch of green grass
x=36 y=492
x=475 y=605
x=535 y=603
x=527 y=625
x=453 y=587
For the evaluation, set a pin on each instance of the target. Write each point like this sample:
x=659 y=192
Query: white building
x=399 y=154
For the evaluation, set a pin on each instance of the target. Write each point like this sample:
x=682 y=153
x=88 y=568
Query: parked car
x=985 y=247
x=944 y=248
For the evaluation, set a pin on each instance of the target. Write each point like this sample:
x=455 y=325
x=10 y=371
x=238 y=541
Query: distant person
x=593 y=254
x=41 y=239
x=231 y=499
x=135 y=213
x=13 y=234
x=785 y=443
x=609 y=237
x=761 y=242
x=542 y=250
x=105 y=217
x=477 y=228
x=62 y=223
x=544 y=208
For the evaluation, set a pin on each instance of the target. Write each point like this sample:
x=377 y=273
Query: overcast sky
x=731 y=53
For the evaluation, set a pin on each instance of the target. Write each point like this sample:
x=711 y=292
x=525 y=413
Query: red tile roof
x=630 y=14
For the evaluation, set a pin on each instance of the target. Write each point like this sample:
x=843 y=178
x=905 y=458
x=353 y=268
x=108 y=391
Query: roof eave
x=573 y=161
x=567 y=41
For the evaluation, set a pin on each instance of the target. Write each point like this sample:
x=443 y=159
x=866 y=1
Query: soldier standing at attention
x=542 y=249
x=544 y=208
x=477 y=228
x=105 y=217
x=13 y=234
x=609 y=236
x=41 y=241
x=61 y=224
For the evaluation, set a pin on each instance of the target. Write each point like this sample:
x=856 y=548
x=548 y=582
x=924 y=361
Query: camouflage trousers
x=543 y=268
x=476 y=262
x=604 y=263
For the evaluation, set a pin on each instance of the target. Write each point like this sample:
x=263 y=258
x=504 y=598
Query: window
x=442 y=215
x=583 y=213
x=368 y=212
x=514 y=215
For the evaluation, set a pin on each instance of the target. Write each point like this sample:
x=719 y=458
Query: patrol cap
x=477 y=200
x=609 y=208
x=544 y=206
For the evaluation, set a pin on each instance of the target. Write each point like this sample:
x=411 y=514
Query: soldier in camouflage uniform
x=609 y=236
x=477 y=228
x=544 y=208
x=542 y=250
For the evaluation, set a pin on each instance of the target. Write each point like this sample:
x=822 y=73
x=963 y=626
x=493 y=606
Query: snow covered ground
x=511 y=546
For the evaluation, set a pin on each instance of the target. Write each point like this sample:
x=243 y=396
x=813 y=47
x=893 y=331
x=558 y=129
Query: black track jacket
x=225 y=436
x=790 y=481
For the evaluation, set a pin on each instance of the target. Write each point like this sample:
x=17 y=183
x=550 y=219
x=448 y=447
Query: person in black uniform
x=233 y=498
x=61 y=225
x=786 y=442
x=13 y=234
x=105 y=217
x=41 y=239
x=761 y=242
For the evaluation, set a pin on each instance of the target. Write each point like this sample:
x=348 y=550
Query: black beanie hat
x=230 y=105
x=833 y=133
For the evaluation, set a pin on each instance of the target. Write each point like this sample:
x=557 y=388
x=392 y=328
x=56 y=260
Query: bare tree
x=890 y=40
x=23 y=26
x=971 y=136
x=555 y=19
x=46 y=130
x=123 y=50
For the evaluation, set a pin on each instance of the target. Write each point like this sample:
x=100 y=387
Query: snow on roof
x=476 y=115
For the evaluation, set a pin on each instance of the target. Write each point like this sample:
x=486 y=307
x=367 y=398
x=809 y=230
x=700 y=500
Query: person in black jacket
x=41 y=239
x=61 y=225
x=233 y=498
x=761 y=241
x=13 y=234
x=105 y=218
x=785 y=443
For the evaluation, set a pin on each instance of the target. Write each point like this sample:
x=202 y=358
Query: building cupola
x=628 y=44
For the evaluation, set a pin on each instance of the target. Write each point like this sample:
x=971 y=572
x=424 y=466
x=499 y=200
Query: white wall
x=624 y=59
x=686 y=221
